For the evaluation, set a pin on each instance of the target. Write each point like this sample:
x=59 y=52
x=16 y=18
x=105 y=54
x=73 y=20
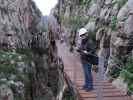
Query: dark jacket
x=88 y=45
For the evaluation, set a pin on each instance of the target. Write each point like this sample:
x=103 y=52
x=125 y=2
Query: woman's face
x=83 y=36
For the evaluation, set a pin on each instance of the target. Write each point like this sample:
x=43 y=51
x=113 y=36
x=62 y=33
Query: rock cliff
x=29 y=66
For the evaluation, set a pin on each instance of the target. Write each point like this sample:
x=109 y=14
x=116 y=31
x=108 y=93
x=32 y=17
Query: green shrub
x=120 y=2
x=44 y=29
x=124 y=70
x=18 y=98
x=14 y=69
x=77 y=22
x=9 y=64
x=82 y=1
x=92 y=36
x=114 y=22
x=85 y=2
x=74 y=22
x=114 y=72
x=127 y=73
x=27 y=54
x=61 y=18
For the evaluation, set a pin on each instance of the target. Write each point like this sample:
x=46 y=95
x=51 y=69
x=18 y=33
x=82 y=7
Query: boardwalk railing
x=72 y=88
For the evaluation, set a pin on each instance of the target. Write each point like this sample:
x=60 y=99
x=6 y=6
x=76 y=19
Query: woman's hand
x=85 y=51
x=95 y=68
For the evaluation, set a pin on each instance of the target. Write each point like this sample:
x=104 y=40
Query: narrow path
x=74 y=70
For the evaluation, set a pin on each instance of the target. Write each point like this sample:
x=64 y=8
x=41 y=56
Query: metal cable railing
x=100 y=78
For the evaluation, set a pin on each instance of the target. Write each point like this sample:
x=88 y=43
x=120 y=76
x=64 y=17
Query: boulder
x=107 y=2
x=130 y=4
x=6 y=93
x=129 y=25
x=120 y=84
x=93 y=10
x=90 y=27
x=123 y=13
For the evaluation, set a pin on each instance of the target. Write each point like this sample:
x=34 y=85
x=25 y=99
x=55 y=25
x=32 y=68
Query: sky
x=45 y=5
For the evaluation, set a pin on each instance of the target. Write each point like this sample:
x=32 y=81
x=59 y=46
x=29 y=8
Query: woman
x=86 y=50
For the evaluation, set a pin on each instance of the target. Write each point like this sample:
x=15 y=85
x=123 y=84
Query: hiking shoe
x=89 y=89
x=84 y=87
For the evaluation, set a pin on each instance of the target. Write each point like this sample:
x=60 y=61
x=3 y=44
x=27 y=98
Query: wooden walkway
x=73 y=68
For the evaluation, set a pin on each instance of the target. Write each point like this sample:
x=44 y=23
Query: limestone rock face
x=93 y=10
x=120 y=84
x=16 y=19
x=90 y=27
x=123 y=12
x=38 y=75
